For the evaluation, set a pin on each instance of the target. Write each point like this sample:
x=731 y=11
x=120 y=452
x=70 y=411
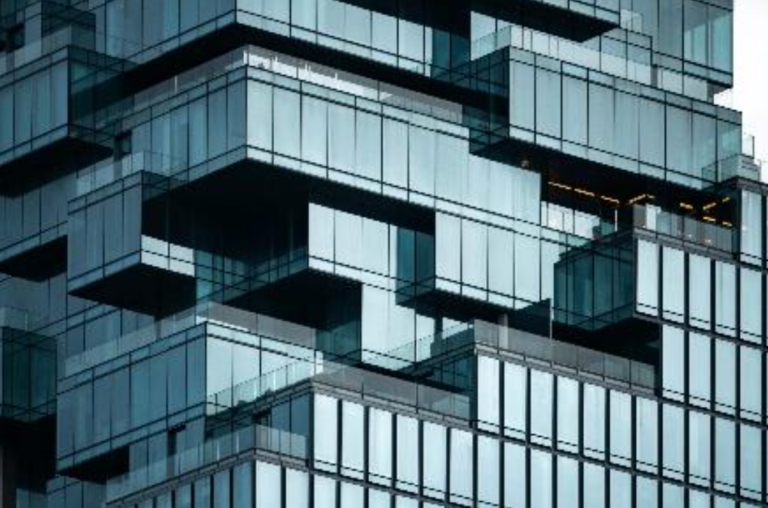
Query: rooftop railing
x=687 y=229
x=108 y=171
x=565 y=355
x=254 y=437
x=343 y=377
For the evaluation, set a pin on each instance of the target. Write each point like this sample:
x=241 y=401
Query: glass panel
x=407 y=453
x=488 y=378
x=621 y=428
x=594 y=421
x=725 y=298
x=568 y=414
x=699 y=374
x=673 y=435
x=326 y=432
x=647 y=277
x=751 y=305
x=673 y=362
x=515 y=475
x=698 y=447
x=647 y=434
x=435 y=457
x=352 y=445
x=700 y=291
x=567 y=483
x=542 y=384
x=461 y=467
x=515 y=400
x=379 y=446
x=674 y=292
x=541 y=479
x=488 y=463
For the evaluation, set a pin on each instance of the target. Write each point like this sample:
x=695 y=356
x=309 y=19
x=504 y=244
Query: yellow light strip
x=560 y=186
x=686 y=206
x=584 y=192
x=709 y=206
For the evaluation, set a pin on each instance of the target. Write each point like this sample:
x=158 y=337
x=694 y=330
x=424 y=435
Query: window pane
x=515 y=475
x=568 y=414
x=326 y=429
x=542 y=384
x=515 y=396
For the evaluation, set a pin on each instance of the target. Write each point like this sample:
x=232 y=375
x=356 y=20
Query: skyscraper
x=378 y=253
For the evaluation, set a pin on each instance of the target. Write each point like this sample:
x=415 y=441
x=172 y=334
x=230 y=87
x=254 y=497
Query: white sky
x=750 y=95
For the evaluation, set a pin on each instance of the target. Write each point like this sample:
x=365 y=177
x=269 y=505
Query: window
x=673 y=362
x=674 y=292
x=488 y=377
x=461 y=467
x=621 y=429
x=725 y=376
x=699 y=291
x=751 y=461
x=542 y=385
x=749 y=384
x=751 y=305
x=648 y=278
x=647 y=492
x=541 y=479
x=435 y=457
x=268 y=485
x=325 y=492
x=242 y=486
x=594 y=485
x=515 y=475
x=515 y=400
x=352 y=445
x=568 y=414
x=379 y=446
x=488 y=463
x=326 y=432
x=725 y=454
x=621 y=488
x=698 y=447
x=725 y=298
x=594 y=421
x=699 y=361
x=673 y=437
x=296 y=489
x=407 y=453
x=567 y=483
x=646 y=420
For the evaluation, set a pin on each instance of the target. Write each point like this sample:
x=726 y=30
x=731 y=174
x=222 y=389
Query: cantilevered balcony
x=27 y=370
x=578 y=20
x=201 y=360
x=611 y=136
x=47 y=128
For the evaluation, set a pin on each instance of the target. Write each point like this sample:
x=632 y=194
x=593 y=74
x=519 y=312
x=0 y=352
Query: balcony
x=617 y=151
x=27 y=370
x=579 y=20
x=56 y=137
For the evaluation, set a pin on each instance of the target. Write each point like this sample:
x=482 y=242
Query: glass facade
x=378 y=253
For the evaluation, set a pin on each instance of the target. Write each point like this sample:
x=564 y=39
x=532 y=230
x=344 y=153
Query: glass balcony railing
x=211 y=451
x=109 y=171
x=584 y=361
x=345 y=377
x=687 y=229
x=557 y=354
